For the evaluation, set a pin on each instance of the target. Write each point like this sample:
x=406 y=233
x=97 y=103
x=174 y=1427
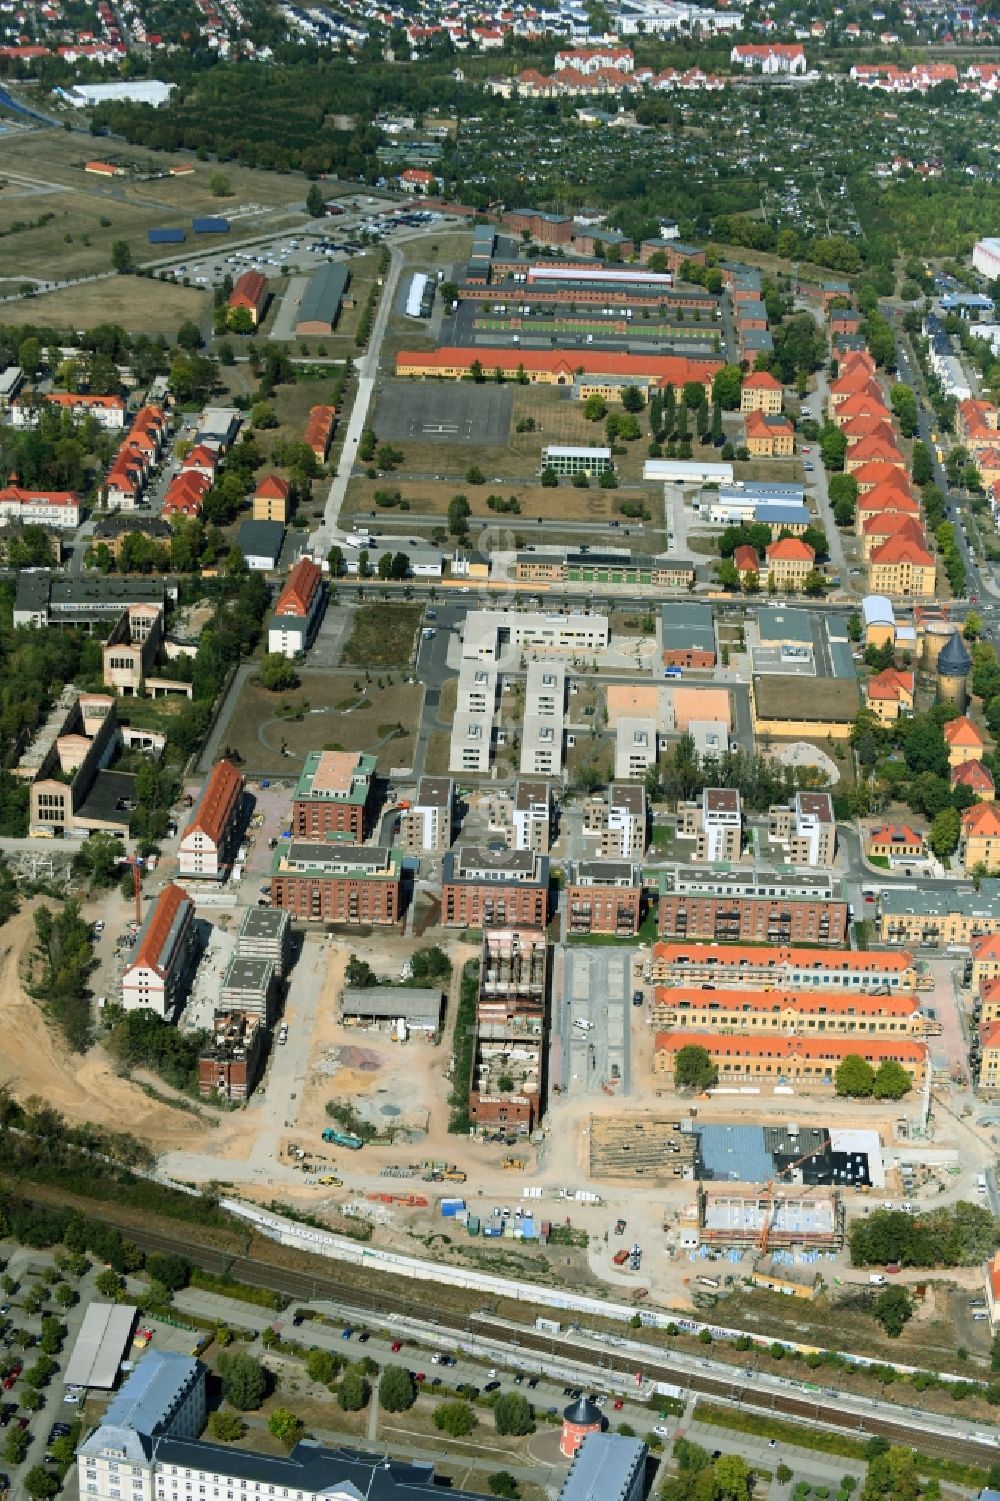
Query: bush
x=503 y=1484
x=226 y=1427
x=285 y=1427
x=454 y=1418
x=353 y=1392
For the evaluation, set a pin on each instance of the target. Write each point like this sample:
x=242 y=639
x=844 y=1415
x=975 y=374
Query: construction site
x=774 y=1219
x=513 y=974
x=650 y=1147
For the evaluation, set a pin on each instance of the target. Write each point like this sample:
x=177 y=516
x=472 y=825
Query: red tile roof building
x=977 y=777
x=318 y=433
x=804 y=1059
x=736 y=964
x=761 y=392
x=250 y=294
x=209 y=841
x=979 y=846
x=58 y=508
x=555 y=367
x=161 y=962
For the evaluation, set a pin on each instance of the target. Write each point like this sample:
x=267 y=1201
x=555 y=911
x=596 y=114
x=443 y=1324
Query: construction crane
x=771 y=1205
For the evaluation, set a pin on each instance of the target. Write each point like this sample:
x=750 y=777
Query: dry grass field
x=565 y=503
x=330 y=712
x=140 y=305
x=43 y=172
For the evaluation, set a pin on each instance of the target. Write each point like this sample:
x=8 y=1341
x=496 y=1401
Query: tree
x=173 y=1271
x=277 y=673
x=854 y=1077
x=29 y=356
x=189 y=335
x=945 y=831
x=110 y=1284
x=285 y=1427
x=843 y=490
x=40 y=1483
x=244 y=1381
x=892 y=1476
x=16 y=1445
x=219 y=185
x=694 y=1069
x=733 y=1478
x=226 y=1427
x=353 y=1392
x=728 y=574
x=512 y=1414
x=892 y=1081
x=121 y=257
x=359 y=974
x=893 y=1310
x=632 y=399
x=832 y=446
x=922 y=468
x=459 y=512
x=315 y=206
x=262 y=414
x=595 y=408
x=548 y=478
x=454 y=1418
x=814 y=583
x=503 y=1484
x=628 y=428
x=396 y=1390
x=726 y=387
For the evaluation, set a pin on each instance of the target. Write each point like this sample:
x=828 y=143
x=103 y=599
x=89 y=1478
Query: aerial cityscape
x=499 y=732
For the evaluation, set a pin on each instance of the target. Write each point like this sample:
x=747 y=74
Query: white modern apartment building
x=544 y=710
x=473 y=728
x=427 y=824
x=499 y=636
x=986 y=258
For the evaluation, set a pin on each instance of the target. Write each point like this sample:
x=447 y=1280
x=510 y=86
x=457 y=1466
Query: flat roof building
x=266 y=933
x=606 y=1467
x=427 y=823
x=418 y=1006
x=339 y=883
x=604 y=896
x=544 y=709
x=483 y=888
x=687 y=635
x=100 y=1345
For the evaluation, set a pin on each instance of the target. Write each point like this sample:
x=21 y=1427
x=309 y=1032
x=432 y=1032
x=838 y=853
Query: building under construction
x=650 y=1147
x=773 y=1219
x=513 y=973
x=508 y=1054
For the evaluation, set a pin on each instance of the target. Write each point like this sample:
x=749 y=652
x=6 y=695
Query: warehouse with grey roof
x=320 y=305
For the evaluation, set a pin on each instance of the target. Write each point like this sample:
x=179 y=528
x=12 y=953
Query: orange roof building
x=979 y=846
x=318 y=433
x=789 y=563
x=889 y=694
x=880 y=527
x=873 y=450
x=761 y=392
x=977 y=777
x=746 y=561
x=895 y=841
x=768 y=436
x=207 y=844
x=901 y=568
x=781 y=1011
x=250 y=295
x=554 y=367
x=803 y=1059
x=161 y=964
x=272 y=500
x=297 y=612
x=185 y=495
x=746 y=964
x=963 y=740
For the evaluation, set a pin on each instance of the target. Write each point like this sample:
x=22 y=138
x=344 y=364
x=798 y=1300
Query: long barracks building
x=754 y=965
x=553 y=367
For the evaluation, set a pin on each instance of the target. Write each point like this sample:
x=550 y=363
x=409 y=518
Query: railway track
x=254 y=1272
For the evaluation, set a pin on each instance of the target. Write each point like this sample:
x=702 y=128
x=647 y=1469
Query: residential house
x=963 y=740
x=298 y=609
x=747 y=563
x=715 y=823
x=979 y=846
x=806 y=828
x=426 y=825
x=318 y=434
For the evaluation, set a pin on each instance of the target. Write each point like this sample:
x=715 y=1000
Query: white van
x=584 y=1026
x=981 y=1183
x=877 y=1279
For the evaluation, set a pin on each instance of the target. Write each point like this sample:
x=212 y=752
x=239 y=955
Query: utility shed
x=100 y=1346
x=420 y=1008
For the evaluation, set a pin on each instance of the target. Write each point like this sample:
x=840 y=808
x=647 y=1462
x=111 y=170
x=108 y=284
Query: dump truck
x=343 y=1139
x=515 y=1163
x=454 y=1176
x=328 y=1180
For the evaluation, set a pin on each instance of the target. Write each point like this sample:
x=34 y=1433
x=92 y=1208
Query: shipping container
x=451 y=1207
x=473 y=1224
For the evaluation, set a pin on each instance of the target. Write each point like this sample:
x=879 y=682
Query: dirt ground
x=34 y=1061
x=362 y=718
x=144 y=306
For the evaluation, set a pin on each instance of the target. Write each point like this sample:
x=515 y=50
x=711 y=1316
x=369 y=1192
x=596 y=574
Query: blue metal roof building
x=165 y=236
x=210 y=226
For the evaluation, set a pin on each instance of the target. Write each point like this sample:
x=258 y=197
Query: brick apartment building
x=740 y=918
x=484 y=888
x=334 y=882
x=230 y=1063
x=605 y=896
x=334 y=797
x=210 y=838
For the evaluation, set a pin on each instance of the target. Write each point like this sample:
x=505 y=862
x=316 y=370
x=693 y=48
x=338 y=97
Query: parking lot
x=592 y=1024
x=207 y=264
